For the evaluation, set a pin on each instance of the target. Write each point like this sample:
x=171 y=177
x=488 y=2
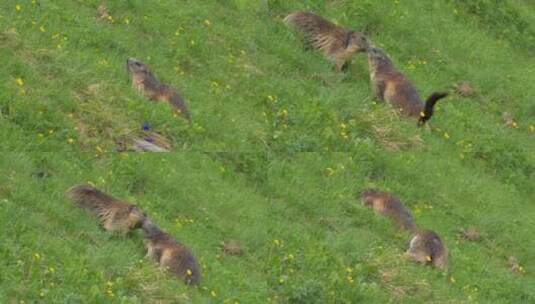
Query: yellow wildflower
x=18 y=7
x=19 y=81
x=330 y=171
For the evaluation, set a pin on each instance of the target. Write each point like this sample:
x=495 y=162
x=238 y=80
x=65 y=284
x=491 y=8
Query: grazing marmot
x=231 y=247
x=113 y=214
x=337 y=43
x=464 y=89
x=426 y=247
x=170 y=254
x=390 y=206
x=146 y=83
x=390 y=85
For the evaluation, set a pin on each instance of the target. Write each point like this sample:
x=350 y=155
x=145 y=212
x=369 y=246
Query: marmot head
x=136 y=218
x=135 y=66
x=150 y=229
x=368 y=196
x=357 y=42
x=377 y=56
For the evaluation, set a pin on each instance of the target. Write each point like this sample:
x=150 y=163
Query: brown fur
x=114 y=215
x=338 y=44
x=464 y=89
x=170 y=254
x=471 y=234
x=390 y=206
x=426 y=247
x=231 y=248
x=144 y=81
x=390 y=85
x=102 y=11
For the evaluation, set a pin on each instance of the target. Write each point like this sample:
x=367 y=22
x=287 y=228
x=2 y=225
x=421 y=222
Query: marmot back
x=426 y=247
x=338 y=44
x=390 y=85
x=387 y=205
x=113 y=214
x=144 y=81
x=170 y=254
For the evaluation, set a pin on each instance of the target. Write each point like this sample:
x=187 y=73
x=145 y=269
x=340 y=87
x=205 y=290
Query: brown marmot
x=390 y=85
x=390 y=206
x=426 y=247
x=170 y=254
x=114 y=215
x=337 y=43
x=148 y=85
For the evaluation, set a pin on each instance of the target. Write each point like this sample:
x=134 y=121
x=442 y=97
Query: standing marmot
x=170 y=254
x=337 y=43
x=113 y=214
x=390 y=85
x=390 y=206
x=426 y=247
x=146 y=83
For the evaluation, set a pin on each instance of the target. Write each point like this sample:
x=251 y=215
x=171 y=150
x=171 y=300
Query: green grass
x=265 y=161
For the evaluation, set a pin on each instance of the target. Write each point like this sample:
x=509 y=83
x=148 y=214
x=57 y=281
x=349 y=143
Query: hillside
x=279 y=148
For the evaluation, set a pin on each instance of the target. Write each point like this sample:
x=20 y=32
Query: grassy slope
x=294 y=212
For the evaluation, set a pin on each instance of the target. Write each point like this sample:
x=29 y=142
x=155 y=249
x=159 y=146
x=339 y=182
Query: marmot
x=390 y=206
x=146 y=83
x=426 y=247
x=390 y=85
x=337 y=43
x=231 y=247
x=145 y=145
x=170 y=254
x=113 y=214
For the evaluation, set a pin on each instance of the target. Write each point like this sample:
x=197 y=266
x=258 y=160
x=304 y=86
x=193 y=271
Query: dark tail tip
x=429 y=106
